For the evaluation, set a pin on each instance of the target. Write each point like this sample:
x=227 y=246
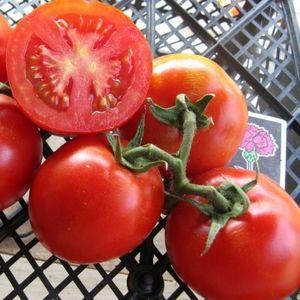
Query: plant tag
x=264 y=141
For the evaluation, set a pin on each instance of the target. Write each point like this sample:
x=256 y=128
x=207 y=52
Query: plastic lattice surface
x=256 y=42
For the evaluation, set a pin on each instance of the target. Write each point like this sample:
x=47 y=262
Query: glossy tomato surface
x=20 y=152
x=78 y=66
x=86 y=208
x=256 y=256
x=5 y=31
x=196 y=76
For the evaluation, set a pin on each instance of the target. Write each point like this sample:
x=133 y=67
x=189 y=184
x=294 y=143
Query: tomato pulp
x=196 y=76
x=86 y=208
x=78 y=66
x=20 y=152
x=255 y=256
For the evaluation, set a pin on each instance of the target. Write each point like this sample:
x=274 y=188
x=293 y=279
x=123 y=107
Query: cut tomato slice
x=79 y=67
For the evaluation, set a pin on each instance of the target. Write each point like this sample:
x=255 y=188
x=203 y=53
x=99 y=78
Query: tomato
x=195 y=76
x=20 y=152
x=255 y=256
x=78 y=66
x=86 y=208
x=4 y=35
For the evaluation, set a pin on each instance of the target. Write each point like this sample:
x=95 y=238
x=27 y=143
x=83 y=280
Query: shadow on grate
x=255 y=42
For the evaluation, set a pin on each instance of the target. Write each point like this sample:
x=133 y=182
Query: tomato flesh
x=85 y=71
x=84 y=59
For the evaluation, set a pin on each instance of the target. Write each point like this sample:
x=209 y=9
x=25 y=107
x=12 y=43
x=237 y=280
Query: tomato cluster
x=82 y=68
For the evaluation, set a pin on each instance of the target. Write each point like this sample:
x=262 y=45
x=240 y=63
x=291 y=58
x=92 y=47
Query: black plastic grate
x=259 y=48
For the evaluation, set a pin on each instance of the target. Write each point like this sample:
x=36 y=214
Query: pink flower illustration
x=257 y=142
x=259 y=139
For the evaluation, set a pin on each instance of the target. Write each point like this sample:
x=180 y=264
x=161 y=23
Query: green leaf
x=111 y=140
x=115 y=143
x=173 y=116
x=138 y=137
x=236 y=195
x=203 y=121
x=205 y=209
x=170 y=116
x=217 y=223
x=118 y=149
x=203 y=102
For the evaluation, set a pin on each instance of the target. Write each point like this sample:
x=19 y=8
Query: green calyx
x=140 y=164
x=239 y=204
x=225 y=202
x=174 y=116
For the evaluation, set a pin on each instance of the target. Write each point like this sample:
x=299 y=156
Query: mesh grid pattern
x=256 y=47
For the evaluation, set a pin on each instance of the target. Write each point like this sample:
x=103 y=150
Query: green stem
x=189 y=130
x=221 y=198
x=204 y=208
x=153 y=152
x=181 y=182
x=224 y=202
x=210 y=193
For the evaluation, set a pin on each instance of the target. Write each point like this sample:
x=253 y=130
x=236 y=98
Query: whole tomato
x=5 y=31
x=254 y=257
x=195 y=76
x=20 y=152
x=86 y=208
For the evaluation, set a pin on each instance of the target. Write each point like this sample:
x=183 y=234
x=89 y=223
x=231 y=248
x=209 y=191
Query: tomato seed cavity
x=87 y=60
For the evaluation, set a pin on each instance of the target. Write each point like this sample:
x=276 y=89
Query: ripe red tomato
x=86 y=208
x=20 y=152
x=256 y=256
x=5 y=30
x=78 y=66
x=195 y=76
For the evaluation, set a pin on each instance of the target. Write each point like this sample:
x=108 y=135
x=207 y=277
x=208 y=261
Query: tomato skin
x=79 y=116
x=195 y=76
x=5 y=31
x=86 y=208
x=256 y=256
x=20 y=152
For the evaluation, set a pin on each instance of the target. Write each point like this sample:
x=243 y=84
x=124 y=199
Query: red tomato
x=4 y=35
x=255 y=257
x=86 y=208
x=195 y=76
x=20 y=152
x=78 y=66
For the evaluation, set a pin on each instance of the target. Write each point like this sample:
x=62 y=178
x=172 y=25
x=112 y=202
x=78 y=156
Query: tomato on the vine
x=20 y=152
x=195 y=76
x=86 y=208
x=255 y=256
x=78 y=66
x=5 y=31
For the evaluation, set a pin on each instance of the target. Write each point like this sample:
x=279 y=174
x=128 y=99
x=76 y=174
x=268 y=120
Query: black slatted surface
x=259 y=48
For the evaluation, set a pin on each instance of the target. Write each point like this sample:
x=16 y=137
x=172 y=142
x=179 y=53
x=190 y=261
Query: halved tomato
x=5 y=30
x=78 y=66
